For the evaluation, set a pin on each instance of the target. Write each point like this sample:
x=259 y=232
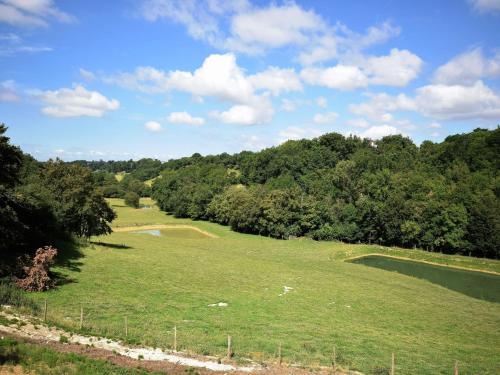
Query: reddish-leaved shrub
x=37 y=275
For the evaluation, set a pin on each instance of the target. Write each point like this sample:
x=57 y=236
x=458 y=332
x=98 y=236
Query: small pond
x=479 y=285
x=173 y=233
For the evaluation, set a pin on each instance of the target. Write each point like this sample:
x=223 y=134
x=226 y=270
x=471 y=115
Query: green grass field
x=367 y=313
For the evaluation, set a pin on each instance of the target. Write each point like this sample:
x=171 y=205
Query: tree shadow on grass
x=67 y=258
x=111 y=245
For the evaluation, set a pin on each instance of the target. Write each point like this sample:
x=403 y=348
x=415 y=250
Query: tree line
x=42 y=203
x=437 y=196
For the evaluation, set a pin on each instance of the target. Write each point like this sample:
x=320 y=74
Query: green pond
x=479 y=285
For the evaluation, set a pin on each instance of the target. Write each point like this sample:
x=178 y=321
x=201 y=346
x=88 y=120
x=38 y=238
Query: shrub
x=37 y=279
x=132 y=199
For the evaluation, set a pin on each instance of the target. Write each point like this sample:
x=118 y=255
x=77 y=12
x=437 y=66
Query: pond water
x=173 y=233
x=479 y=285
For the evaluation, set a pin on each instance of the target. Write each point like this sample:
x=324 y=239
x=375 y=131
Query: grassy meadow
x=159 y=282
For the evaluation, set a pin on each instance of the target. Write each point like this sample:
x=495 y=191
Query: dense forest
x=44 y=203
x=436 y=196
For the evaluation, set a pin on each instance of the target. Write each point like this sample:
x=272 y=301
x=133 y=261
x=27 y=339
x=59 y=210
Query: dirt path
x=164 y=226
x=24 y=327
x=31 y=330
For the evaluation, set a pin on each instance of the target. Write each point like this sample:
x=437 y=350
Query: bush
x=37 y=276
x=132 y=199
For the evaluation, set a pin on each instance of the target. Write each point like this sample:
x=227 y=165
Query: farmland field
x=263 y=291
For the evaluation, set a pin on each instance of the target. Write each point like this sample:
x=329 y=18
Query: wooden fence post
x=81 y=317
x=280 y=357
x=175 y=338
x=229 y=348
x=45 y=311
x=392 y=364
x=334 y=360
x=456 y=368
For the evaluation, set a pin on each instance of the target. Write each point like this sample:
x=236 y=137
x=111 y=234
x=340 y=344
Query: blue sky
x=165 y=79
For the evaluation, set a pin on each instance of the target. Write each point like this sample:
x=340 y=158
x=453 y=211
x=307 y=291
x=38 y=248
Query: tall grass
x=11 y=295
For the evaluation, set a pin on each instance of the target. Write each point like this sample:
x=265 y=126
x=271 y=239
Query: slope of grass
x=367 y=313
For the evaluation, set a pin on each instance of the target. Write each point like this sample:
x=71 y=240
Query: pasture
x=264 y=292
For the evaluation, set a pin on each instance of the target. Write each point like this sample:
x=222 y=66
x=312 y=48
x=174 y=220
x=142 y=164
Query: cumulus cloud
x=378 y=132
x=76 y=102
x=296 y=133
x=272 y=27
x=276 y=80
x=220 y=77
x=325 y=118
x=8 y=92
x=358 y=123
x=467 y=68
x=258 y=112
x=289 y=105
x=321 y=102
x=486 y=6
x=32 y=13
x=452 y=102
x=341 y=77
x=184 y=118
x=153 y=126
x=396 y=69
x=380 y=106
x=438 y=101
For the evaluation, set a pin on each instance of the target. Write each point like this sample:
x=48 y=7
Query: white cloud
x=31 y=13
x=467 y=68
x=87 y=75
x=272 y=27
x=451 y=102
x=246 y=114
x=378 y=132
x=184 y=118
x=341 y=77
x=435 y=125
x=289 y=105
x=144 y=78
x=220 y=77
x=486 y=6
x=276 y=80
x=396 y=69
x=325 y=118
x=153 y=126
x=8 y=92
x=380 y=105
x=296 y=133
x=323 y=48
x=76 y=102
x=321 y=102
x=358 y=123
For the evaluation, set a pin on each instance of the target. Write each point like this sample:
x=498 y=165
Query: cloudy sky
x=159 y=78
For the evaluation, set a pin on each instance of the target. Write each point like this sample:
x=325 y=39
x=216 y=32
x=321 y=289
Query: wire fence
x=133 y=325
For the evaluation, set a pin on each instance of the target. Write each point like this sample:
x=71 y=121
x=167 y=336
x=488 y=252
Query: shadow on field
x=68 y=258
x=111 y=245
